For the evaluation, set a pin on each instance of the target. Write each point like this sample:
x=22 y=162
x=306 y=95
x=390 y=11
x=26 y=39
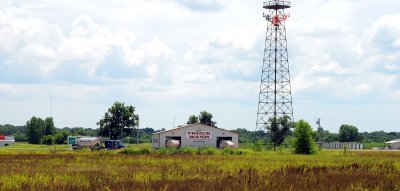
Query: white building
x=6 y=140
x=341 y=145
x=394 y=144
x=195 y=135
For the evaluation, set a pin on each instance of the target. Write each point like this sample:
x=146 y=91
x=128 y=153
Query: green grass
x=34 y=147
x=374 y=144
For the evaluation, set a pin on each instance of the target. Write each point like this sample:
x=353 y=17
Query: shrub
x=258 y=145
x=303 y=141
x=59 y=138
x=132 y=151
x=208 y=150
x=188 y=150
x=48 y=140
x=232 y=151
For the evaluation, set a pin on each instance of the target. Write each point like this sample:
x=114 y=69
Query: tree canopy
x=193 y=120
x=348 y=133
x=206 y=118
x=36 y=128
x=303 y=138
x=278 y=129
x=117 y=119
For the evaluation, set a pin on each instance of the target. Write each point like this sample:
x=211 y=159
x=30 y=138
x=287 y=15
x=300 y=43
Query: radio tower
x=275 y=99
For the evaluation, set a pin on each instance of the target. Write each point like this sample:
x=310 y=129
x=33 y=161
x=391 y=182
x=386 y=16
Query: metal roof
x=393 y=141
x=190 y=125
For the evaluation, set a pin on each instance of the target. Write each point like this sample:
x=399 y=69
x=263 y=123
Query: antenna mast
x=275 y=99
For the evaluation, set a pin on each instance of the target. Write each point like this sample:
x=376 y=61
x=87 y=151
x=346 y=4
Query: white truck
x=80 y=142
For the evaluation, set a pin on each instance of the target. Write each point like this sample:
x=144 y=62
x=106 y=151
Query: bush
x=48 y=140
x=188 y=150
x=208 y=150
x=233 y=152
x=135 y=151
x=19 y=137
x=303 y=142
x=259 y=145
x=60 y=138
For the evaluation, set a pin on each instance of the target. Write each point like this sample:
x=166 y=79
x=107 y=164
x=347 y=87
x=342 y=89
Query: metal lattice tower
x=275 y=99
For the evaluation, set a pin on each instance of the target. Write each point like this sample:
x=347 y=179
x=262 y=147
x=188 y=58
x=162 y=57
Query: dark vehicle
x=114 y=144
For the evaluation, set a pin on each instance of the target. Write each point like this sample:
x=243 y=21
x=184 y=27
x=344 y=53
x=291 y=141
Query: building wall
x=191 y=136
x=395 y=146
x=340 y=145
x=6 y=140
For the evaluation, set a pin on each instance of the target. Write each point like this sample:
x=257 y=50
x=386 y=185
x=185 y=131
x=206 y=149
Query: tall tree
x=279 y=128
x=193 y=120
x=348 y=133
x=117 y=119
x=34 y=130
x=49 y=128
x=206 y=118
x=303 y=138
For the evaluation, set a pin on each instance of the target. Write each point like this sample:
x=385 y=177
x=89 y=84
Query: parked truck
x=80 y=142
x=114 y=144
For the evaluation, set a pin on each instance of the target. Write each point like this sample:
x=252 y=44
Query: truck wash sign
x=198 y=135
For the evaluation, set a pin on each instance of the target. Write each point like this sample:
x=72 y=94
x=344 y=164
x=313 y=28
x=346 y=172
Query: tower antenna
x=275 y=98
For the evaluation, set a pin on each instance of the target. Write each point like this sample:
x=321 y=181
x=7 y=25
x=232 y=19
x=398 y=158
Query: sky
x=72 y=59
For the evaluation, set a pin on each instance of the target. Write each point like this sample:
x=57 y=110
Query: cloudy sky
x=174 y=58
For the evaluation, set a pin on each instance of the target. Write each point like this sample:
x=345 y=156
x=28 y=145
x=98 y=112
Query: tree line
x=246 y=136
x=121 y=122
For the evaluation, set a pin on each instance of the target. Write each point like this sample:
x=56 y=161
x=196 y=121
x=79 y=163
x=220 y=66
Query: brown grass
x=253 y=171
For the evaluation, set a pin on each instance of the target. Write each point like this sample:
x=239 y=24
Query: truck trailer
x=80 y=142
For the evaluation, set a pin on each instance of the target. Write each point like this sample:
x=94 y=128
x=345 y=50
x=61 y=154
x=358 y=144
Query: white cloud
x=43 y=48
x=180 y=52
x=202 y=5
x=391 y=66
x=17 y=28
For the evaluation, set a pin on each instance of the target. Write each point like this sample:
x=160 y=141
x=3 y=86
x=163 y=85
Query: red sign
x=2 y=137
x=198 y=135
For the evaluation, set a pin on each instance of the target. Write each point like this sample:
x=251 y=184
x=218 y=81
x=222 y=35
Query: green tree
x=206 y=118
x=303 y=142
x=348 y=133
x=49 y=128
x=278 y=129
x=117 y=119
x=34 y=130
x=193 y=120
x=48 y=140
x=61 y=137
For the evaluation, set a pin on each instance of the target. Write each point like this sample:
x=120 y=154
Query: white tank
x=173 y=144
x=88 y=141
x=227 y=144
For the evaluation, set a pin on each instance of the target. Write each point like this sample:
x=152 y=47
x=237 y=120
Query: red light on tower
x=277 y=20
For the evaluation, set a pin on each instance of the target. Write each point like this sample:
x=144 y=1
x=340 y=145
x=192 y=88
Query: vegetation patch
x=198 y=169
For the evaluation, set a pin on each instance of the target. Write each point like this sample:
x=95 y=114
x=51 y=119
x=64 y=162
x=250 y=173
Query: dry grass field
x=192 y=169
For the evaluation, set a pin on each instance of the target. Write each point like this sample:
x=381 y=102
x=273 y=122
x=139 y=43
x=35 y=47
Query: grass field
x=193 y=169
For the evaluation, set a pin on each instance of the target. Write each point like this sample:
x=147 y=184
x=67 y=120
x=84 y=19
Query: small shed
x=195 y=135
x=6 y=140
x=394 y=144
